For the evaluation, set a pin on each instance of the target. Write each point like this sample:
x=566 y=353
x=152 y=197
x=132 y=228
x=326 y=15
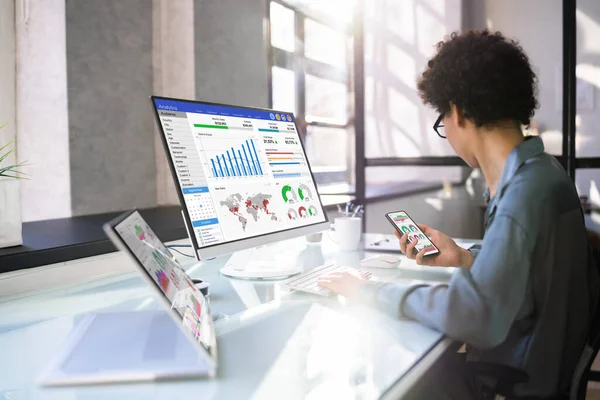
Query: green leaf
x=6 y=145
x=13 y=171
x=10 y=167
x=10 y=171
x=14 y=176
x=2 y=126
x=6 y=154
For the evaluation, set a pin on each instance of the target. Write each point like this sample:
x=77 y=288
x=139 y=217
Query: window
x=324 y=44
x=326 y=100
x=284 y=98
x=311 y=55
x=320 y=141
x=282 y=27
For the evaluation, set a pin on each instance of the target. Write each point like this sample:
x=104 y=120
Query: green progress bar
x=211 y=126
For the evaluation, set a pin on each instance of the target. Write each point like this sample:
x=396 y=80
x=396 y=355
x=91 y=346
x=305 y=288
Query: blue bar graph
x=256 y=155
x=220 y=168
x=252 y=158
x=231 y=163
x=241 y=162
x=238 y=162
x=214 y=169
x=247 y=162
x=225 y=164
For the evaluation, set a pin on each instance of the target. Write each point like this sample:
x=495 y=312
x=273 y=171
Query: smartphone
x=405 y=224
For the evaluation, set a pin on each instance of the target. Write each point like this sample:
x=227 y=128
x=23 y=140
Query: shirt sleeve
x=479 y=304
x=475 y=253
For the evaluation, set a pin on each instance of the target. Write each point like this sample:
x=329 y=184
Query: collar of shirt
x=531 y=147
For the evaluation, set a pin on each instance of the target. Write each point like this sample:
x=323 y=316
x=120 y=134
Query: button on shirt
x=529 y=296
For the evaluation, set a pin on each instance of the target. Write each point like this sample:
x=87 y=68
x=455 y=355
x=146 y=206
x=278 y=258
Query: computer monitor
x=241 y=173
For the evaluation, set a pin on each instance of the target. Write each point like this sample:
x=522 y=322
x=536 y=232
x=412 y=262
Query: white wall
x=7 y=74
x=173 y=73
x=400 y=38
x=42 y=116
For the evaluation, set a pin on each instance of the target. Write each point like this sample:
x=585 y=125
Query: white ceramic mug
x=347 y=232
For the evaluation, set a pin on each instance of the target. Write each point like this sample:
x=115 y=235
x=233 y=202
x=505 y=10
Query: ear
x=458 y=115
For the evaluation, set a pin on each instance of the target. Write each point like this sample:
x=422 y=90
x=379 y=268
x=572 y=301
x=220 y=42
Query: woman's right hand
x=450 y=255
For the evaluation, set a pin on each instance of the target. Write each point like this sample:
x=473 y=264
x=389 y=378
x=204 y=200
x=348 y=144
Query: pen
x=357 y=210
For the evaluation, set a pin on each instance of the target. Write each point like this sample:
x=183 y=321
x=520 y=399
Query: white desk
x=272 y=344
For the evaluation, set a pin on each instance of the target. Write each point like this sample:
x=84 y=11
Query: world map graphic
x=251 y=208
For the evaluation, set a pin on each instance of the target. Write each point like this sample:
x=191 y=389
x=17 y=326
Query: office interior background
x=75 y=76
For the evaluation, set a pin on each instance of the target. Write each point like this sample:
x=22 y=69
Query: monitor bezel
x=238 y=244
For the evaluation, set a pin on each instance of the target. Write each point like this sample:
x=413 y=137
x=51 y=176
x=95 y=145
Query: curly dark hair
x=485 y=75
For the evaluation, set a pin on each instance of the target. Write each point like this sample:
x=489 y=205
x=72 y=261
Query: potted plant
x=10 y=203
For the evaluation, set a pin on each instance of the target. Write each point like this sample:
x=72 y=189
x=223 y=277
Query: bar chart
x=286 y=164
x=240 y=162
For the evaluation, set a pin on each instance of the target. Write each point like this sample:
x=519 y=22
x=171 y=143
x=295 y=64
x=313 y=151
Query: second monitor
x=242 y=175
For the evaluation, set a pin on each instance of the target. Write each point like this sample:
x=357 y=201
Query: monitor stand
x=258 y=263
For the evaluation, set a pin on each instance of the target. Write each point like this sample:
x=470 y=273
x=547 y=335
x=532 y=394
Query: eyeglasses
x=438 y=127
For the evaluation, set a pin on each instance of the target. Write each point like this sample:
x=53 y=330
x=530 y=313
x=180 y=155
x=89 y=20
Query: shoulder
x=539 y=191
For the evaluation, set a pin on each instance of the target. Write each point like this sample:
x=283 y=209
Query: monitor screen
x=166 y=274
x=242 y=172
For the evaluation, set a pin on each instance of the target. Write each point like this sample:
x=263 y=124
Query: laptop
x=177 y=341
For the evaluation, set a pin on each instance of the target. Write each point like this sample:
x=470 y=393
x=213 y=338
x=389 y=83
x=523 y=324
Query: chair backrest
x=590 y=351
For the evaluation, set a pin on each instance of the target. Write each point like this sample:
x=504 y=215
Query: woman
x=527 y=298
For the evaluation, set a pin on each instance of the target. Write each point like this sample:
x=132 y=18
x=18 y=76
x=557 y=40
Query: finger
x=403 y=240
x=410 y=247
x=325 y=283
x=329 y=280
x=352 y=272
x=426 y=229
x=397 y=234
x=422 y=260
x=355 y=273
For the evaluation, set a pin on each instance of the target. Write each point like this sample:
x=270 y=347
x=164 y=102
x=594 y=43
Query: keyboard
x=308 y=281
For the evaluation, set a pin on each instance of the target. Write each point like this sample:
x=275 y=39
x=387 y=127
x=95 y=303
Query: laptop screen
x=188 y=302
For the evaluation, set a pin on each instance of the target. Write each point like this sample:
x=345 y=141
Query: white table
x=272 y=344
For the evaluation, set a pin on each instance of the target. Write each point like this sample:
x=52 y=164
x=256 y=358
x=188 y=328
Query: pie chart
x=304 y=193
x=303 y=213
x=288 y=194
x=292 y=214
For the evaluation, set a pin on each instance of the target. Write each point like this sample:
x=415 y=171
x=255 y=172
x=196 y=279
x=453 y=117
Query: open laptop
x=177 y=341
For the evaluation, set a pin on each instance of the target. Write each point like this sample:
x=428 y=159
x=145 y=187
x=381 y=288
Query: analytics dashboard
x=242 y=172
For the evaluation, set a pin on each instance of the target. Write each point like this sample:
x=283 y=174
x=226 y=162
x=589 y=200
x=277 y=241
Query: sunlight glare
x=589 y=73
x=591 y=33
x=340 y=11
x=594 y=194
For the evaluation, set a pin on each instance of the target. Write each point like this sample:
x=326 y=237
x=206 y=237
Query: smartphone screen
x=404 y=224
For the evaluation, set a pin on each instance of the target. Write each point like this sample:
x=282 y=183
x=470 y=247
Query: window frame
x=568 y=158
x=302 y=66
